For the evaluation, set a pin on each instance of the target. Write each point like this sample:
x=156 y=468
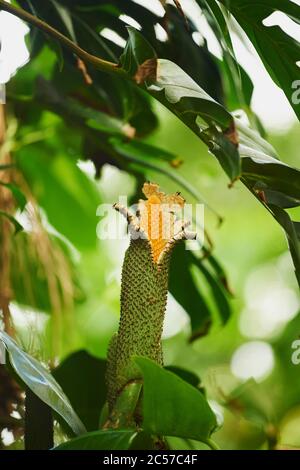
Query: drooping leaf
x=83 y=23
x=275 y=184
x=218 y=22
x=193 y=297
x=141 y=150
x=173 y=407
x=278 y=182
x=41 y=382
x=192 y=56
x=140 y=155
x=278 y=50
x=74 y=110
x=293 y=235
x=66 y=18
x=236 y=82
x=217 y=269
x=217 y=288
x=136 y=52
x=177 y=91
x=265 y=172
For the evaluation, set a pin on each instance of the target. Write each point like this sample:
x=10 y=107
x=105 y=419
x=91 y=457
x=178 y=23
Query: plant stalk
x=97 y=62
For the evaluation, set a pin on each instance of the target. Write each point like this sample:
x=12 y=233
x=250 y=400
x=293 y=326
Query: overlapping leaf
x=47 y=176
x=173 y=407
x=275 y=184
x=82 y=22
x=279 y=51
x=87 y=390
x=237 y=83
x=192 y=297
x=168 y=83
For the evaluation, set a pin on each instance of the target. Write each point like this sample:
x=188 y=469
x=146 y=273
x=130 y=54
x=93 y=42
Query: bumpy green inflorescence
x=143 y=297
x=143 y=304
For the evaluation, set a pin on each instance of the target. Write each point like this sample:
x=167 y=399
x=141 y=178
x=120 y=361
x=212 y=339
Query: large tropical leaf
x=42 y=383
x=173 y=407
x=168 y=83
x=278 y=50
x=237 y=84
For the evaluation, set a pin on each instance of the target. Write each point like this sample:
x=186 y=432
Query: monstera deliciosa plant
x=85 y=96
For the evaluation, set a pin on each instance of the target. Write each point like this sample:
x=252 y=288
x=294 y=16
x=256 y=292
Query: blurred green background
x=66 y=279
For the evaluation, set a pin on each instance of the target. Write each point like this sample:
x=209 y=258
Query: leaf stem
x=97 y=62
x=211 y=444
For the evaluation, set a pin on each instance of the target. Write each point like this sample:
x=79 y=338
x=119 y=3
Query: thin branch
x=97 y=62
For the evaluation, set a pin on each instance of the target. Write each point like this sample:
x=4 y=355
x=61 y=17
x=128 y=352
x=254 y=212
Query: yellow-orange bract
x=157 y=218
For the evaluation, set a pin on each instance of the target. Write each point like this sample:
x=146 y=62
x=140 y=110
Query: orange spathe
x=157 y=217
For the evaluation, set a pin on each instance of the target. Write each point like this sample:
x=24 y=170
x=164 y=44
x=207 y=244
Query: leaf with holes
x=168 y=83
x=278 y=50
